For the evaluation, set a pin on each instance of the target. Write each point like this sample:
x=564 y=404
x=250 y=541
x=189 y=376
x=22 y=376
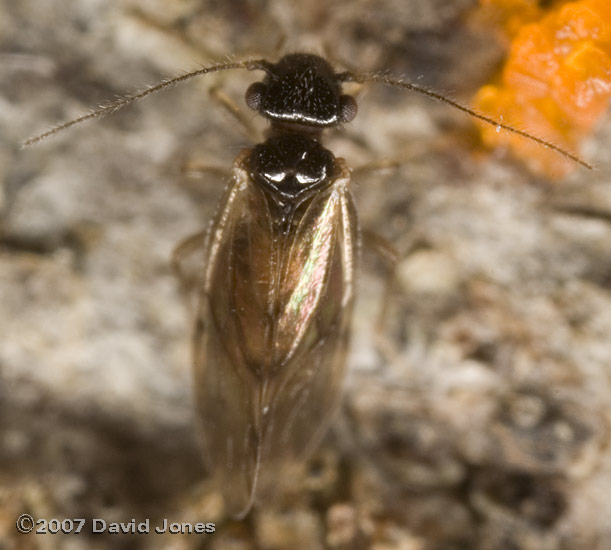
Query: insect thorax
x=291 y=168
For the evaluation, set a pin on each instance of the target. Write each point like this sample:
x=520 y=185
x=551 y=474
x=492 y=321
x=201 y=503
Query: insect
x=273 y=321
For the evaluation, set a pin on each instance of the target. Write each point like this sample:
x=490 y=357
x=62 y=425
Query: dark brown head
x=301 y=90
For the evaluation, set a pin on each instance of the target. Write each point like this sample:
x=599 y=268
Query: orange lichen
x=555 y=84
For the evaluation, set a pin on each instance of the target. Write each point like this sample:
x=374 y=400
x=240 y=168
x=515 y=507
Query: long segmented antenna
x=389 y=81
x=120 y=103
x=262 y=64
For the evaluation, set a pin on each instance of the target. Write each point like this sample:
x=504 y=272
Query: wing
x=272 y=333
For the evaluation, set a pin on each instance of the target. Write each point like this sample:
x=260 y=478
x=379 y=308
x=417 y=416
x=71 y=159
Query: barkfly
x=272 y=326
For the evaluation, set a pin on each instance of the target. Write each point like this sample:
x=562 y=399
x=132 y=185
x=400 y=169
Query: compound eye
x=254 y=95
x=348 y=108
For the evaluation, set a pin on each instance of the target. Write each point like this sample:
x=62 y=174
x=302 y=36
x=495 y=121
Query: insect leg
x=377 y=165
x=382 y=247
x=390 y=257
x=194 y=169
x=244 y=119
x=584 y=211
x=184 y=249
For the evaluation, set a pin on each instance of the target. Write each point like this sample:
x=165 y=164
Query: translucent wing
x=271 y=337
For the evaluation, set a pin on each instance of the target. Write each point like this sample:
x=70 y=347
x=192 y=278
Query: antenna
x=118 y=104
x=262 y=64
x=389 y=81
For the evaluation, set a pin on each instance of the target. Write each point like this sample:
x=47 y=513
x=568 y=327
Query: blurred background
x=475 y=416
